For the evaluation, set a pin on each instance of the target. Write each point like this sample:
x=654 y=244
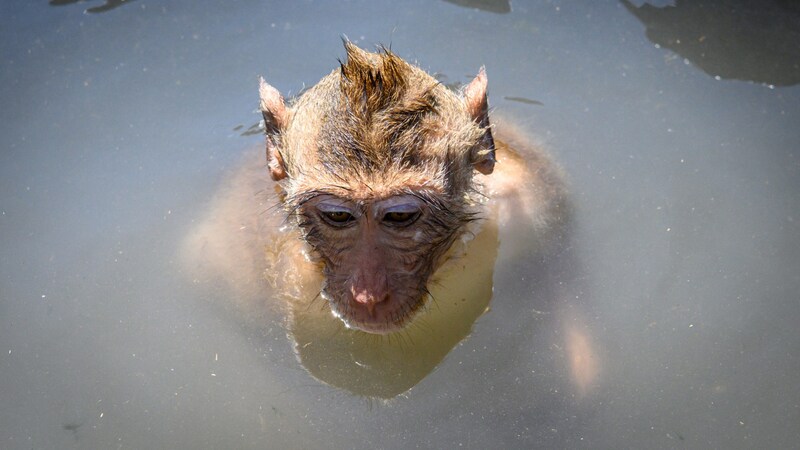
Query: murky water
x=665 y=319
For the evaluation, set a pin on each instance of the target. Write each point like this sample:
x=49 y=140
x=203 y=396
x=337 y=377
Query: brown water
x=665 y=315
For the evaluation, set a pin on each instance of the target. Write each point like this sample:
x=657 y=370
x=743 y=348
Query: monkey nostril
x=369 y=299
x=361 y=297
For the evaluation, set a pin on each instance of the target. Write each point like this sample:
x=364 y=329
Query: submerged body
x=267 y=270
x=377 y=172
x=267 y=266
x=372 y=204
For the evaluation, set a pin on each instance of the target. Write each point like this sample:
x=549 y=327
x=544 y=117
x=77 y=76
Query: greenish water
x=676 y=125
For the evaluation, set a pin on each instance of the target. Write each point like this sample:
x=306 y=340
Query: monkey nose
x=369 y=299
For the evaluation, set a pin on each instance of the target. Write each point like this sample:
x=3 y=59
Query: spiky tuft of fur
x=376 y=126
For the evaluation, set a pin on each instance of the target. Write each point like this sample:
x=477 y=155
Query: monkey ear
x=478 y=108
x=275 y=120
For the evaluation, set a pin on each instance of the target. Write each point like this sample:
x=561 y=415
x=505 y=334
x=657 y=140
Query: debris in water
x=527 y=101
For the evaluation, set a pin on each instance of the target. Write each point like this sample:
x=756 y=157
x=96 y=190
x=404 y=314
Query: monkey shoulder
x=226 y=242
x=527 y=187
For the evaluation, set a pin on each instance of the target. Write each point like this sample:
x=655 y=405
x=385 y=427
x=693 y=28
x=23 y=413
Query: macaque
x=376 y=170
x=376 y=165
x=381 y=186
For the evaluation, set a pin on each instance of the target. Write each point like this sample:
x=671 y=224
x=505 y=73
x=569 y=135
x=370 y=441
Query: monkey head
x=376 y=163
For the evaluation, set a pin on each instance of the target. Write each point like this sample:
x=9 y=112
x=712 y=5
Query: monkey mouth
x=380 y=318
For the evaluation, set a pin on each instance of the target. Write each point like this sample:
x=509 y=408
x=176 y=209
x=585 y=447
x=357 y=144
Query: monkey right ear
x=275 y=120
x=478 y=108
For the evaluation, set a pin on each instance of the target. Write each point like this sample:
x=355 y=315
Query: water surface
x=680 y=270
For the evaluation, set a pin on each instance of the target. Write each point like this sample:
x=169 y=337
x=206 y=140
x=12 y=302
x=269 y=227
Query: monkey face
x=377 y=162
x=378 y=254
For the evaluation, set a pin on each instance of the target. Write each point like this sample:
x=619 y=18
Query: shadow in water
x=494 y=6
x=742 y=40
x=108 y=5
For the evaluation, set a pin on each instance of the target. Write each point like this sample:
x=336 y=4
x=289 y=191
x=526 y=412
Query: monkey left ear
x=275 y=120
x=478 y=108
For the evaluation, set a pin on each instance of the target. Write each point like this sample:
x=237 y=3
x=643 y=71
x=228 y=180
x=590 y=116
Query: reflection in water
x=383 y=366
x=495 y=6
x=225 y=246
x=107 y=6
x=755 y=41
x=279 y=282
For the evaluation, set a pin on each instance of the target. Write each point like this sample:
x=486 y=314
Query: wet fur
x=375 y=128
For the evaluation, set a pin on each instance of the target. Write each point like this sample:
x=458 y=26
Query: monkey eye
x=337 y=217
x=335 y=214
x=402 y=216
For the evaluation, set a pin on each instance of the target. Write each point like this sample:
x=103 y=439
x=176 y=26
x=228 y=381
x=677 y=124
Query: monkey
x=376 y=165
x=375 y=169
x=379 y=186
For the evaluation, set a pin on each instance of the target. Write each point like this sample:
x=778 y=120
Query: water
x=680 y=270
